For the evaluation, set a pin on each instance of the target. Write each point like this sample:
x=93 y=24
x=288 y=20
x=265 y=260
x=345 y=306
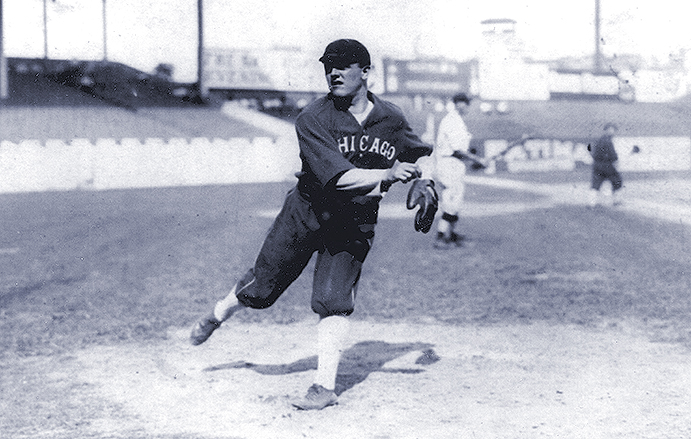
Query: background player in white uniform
x=450 y=151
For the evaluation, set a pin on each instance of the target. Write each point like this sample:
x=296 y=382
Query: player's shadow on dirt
x=356 y=364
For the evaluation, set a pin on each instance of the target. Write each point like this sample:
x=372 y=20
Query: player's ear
x=365 y=72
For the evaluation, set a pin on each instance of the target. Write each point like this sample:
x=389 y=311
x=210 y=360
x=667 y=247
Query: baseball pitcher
x=353 y=147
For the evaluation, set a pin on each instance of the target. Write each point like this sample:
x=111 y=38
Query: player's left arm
x=375 y=181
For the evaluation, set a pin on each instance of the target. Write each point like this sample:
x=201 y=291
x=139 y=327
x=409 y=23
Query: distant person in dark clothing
x=604 y=168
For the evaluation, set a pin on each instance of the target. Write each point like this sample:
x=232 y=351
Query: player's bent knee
x=255 y=302
x=251 y=296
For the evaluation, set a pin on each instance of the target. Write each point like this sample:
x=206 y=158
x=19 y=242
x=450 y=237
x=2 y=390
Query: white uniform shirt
x=453 y=135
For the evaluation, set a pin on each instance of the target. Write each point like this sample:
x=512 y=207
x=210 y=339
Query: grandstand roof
x=51 y=99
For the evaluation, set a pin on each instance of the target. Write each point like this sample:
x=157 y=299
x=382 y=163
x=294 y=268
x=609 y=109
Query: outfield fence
x=33 y=166
x=663 y=153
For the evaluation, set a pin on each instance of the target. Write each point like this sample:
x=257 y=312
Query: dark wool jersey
x=332 y=142
x=603 y=151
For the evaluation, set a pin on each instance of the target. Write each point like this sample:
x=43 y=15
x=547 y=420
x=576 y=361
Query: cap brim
x=334 y=58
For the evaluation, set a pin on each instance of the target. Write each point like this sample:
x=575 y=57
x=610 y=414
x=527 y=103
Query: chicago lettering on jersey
x=375 y=145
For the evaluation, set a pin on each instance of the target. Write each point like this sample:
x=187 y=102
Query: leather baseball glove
x=423 y=194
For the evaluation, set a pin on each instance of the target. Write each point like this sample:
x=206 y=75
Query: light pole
x=598 y=56
x=4 y=90
x=45 y=29
x=105 y=28
x=200 y=47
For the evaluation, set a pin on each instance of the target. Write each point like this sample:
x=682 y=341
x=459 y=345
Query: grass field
x=113 y=257
x=121 y=275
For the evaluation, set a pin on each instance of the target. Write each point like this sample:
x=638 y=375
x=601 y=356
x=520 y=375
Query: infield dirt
x=558 y=320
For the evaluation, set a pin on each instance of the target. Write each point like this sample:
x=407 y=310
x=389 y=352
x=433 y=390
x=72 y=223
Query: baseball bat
x=510 y=146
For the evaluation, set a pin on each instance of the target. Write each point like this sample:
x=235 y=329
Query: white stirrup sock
x=226 y=307
x=593 y=197
x=444 y=227
x=331 y=337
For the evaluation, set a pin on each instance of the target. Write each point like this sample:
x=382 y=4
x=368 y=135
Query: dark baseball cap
x=342 y=53
x=461 y=97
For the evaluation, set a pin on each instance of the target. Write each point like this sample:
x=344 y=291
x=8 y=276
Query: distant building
x=501 y=33
x=503 y=73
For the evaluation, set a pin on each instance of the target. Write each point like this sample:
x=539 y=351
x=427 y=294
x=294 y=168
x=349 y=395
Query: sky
x=144 y=33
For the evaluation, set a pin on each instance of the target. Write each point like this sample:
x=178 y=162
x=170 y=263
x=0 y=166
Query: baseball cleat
x=444 y=242
x=203 y=329
x=317 y=398
x=441 y=242
x=456 y=238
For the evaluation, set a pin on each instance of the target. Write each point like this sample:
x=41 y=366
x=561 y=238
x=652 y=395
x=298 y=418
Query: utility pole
x=105 y=28
x=45 y=29
x=598 y=56
x=4 y=89
x=200 y=47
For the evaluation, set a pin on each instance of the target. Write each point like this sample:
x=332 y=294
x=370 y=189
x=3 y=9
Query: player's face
x=462 y=107
x=345 y=80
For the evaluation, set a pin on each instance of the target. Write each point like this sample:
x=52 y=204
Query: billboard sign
x=262 y=69
x=431 y=77
x=635 y=154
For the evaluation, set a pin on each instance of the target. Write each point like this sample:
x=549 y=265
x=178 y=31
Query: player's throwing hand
x=404 y=172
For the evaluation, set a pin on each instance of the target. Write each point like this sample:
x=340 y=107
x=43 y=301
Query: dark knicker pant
x=292 y=240
x=605 y=171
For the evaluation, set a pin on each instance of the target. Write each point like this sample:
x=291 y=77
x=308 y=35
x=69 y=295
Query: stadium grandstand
x=62 y=99
x=59 y=99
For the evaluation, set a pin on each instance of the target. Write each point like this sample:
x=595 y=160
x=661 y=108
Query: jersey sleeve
x=413 y=146
x=319 y=150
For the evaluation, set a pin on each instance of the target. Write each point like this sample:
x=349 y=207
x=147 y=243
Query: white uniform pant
x=449 y=174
